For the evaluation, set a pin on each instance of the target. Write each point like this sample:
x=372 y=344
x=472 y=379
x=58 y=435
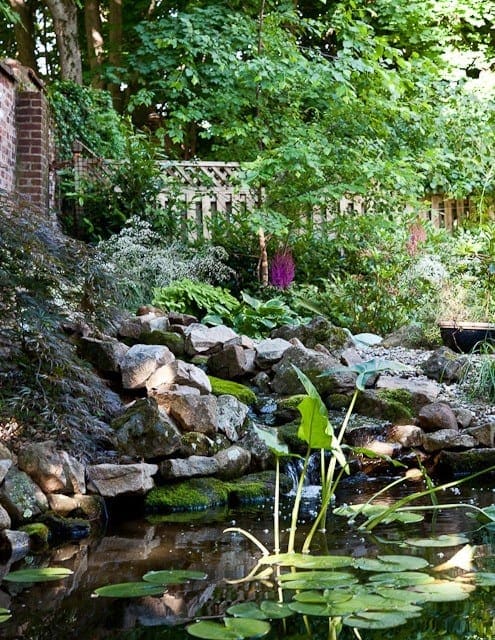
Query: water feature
x=66 y=609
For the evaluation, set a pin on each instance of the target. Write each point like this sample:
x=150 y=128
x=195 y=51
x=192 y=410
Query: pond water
x=66 y=609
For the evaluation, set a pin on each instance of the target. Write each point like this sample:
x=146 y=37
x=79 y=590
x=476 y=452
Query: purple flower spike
x=282 y=270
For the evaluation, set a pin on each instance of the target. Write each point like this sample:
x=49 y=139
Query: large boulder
x=104 y=354
x=436 y=416
x=53 y=470
x=21 y=497
x=232 y=462
x=270 y=351
x=135 y=326
x=202 y=339
x=112 y=480
x=447 y=439
x=195 y=413
x=421 y=390
x=233 y=361
x=181 y=373
x=192 y=467
x=144 y=431
x=232 y=415
x=312 y=363
x=141 y=361
x=444 y=365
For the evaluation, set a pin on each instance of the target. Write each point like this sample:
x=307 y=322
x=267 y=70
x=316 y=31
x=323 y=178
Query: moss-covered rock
x=190 y=495
x=222 y=387
x=257 y=487
x=338 y=401
x=39 y=534
x=174 y=341
x=394 y=405
x=287 y=433
x=62 y=528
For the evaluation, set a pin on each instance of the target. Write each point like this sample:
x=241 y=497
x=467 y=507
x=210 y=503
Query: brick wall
x=25 y=135
x=8 y=137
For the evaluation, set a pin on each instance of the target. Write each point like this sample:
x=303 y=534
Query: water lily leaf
x=399 y=595
x=247 y=610
x=312 y=608
x=130 y=590
x=327 y=597
x=46 y=574
x=371 y=511
x=305 y=561
x=391 y=563
x=316 y=579
x=212 y=631
x=445 y=540
x=444 y=591
x=376 y=620
x=173 y=576
x=246 y=628
x=275 y=610
x=402 y=579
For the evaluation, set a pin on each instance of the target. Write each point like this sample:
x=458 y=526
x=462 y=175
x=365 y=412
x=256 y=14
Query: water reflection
x=67 y=610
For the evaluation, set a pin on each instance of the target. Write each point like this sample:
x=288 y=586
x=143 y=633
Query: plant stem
x=297 y=502
x=276 y=503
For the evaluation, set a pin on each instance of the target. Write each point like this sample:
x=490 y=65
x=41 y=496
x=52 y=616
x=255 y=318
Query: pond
x=68 y=609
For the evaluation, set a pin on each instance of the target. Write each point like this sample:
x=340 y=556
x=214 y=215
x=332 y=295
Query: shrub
x=196 y=298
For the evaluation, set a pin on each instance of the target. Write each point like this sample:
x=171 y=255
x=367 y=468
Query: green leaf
x=368 y=369
x=444 y=591
x=247 y=628
x=404 y=579
x=315 y=428
x=275 y=610
x=130 y=590
x=47 y=574
x=4 y=615
x=376 y=619
x=391 y=563
x=306 y=561
x=212 y=631
x=445 y=540
x=269 y=435
x=174 y=576
x=247 y=610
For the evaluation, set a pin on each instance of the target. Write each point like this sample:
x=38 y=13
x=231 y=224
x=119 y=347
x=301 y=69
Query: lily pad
x=46 y=574
x=275 y=610
x=444 y=591
x=317 y=597
x=176 y=576
x=130 y=590
x=402 y=579
x=316 y=579
x=391 y=563
x=376 y=619
x=247 y=610
x=305 y=561
x=233 y=629
x=445 y=540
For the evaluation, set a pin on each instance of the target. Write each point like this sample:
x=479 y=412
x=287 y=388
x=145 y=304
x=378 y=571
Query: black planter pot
x=465 y=337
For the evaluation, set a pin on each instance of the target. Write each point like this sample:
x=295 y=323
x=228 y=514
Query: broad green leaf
x=445 y=540
x=212 y=631
x=38 y=575
x=306 y=561
x=269 y=436
x=275 y=610
x=444 y=591
x=315 y=428
x=308 y=576
x=4 y=615
x=130 y=590
x=325 y=610
x=376 y=619
x=326 y=597
x=174 y=576
x=403 y=579
x=247 y=610
x=246 y=628
x=368 y=369
x=391 y=563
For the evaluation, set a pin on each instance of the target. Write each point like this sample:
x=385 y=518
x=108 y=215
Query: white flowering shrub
x=141 y=260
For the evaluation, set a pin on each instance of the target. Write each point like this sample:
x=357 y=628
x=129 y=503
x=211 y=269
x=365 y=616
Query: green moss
x=222 y=387
x=338 y=401
x=291 y=402
x=398 y=404
x=174 y=341
x=257 y=487
x=287 y=433
x=190 y=495
x=38 y=533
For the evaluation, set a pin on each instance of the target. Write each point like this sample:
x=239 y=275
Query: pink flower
x=282 y=269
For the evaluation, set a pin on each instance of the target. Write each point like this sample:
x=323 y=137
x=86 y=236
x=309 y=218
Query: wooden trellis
x=200 y=191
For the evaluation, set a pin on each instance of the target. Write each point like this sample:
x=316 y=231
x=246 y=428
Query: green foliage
x=240 y=391
x=196 y=298
x=478 y=373
x=86 y=115
x=256 y=318
x=142 y=260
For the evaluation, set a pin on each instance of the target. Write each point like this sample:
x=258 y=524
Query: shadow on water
x=66 y=609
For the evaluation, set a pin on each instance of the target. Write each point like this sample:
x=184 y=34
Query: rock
x=174 y=341
x=394 y=405
x=465 y=462
x=6 y=454
x=14 y=544
x=199 y=444
x=105 y=355
x=21 y=497
x=111 y=480
x=362 y=436
x=195 y=413
x=141 y=361
x=317 y=331
x=166 y=394
x=447 y=439
x=53 y=470
x=179 y=372
x=407 y=435
x=350 y=357
x=233 y=361
x=5 y=521
x=312 y=363
x=261 y=456
x=483 y=434
x=422 y=391
x=231 y=416
x=135 y=326
x=270 y=351
x=437 y=415
x=463 y=416
x=62 y=504
x=190 y=495
x=5 y=465
x=203 y=339
x=262 y=382
x=444 y=365
x=182 y=319
x=232 y=462
x=192 y=467
x=144 y=431
x=410 y=336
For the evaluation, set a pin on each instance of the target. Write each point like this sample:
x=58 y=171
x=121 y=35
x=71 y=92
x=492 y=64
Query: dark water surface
x=66 y=609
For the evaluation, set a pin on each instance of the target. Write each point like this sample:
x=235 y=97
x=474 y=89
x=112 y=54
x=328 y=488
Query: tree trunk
x=64 y=14
x=94 y=38
x=24 y=32
x=115 y=46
